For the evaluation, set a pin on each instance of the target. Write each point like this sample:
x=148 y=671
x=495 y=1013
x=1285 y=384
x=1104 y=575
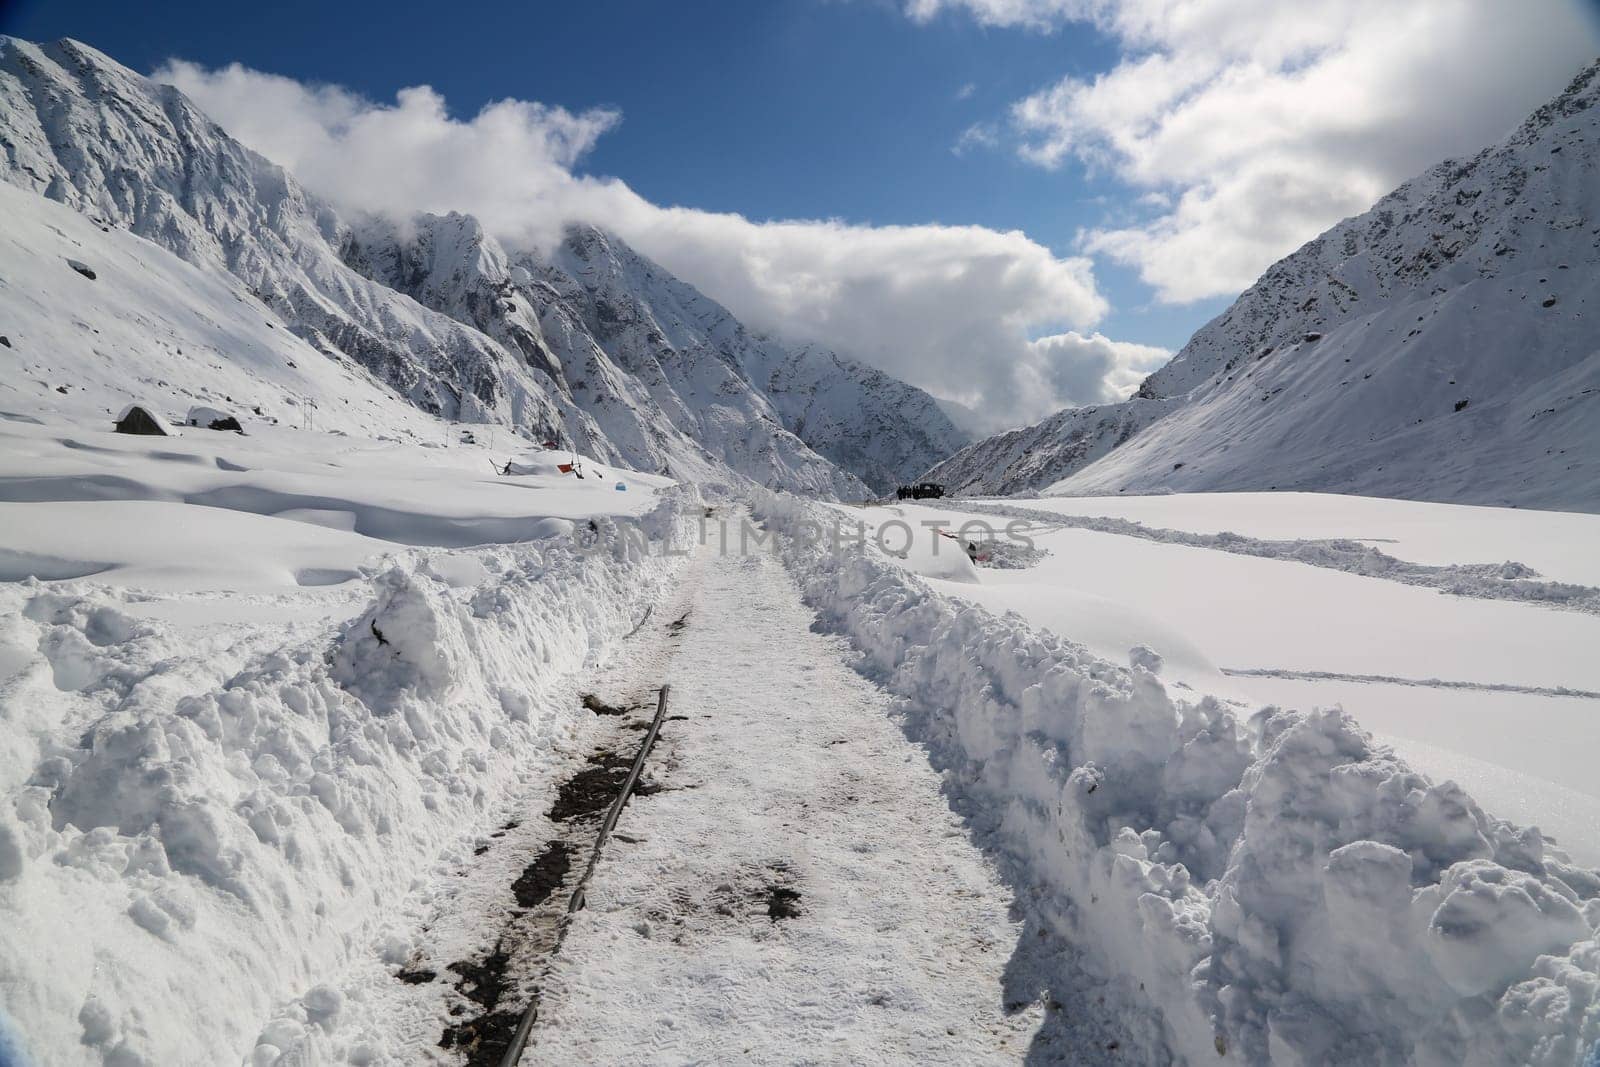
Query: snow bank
x=1282 y=888
x=196 y=835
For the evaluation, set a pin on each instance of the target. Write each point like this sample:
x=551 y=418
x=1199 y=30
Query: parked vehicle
x=920 y=491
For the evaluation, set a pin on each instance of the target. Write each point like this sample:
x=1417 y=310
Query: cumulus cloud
x=1078 y=364
x=949 y=308
x=1264 y=122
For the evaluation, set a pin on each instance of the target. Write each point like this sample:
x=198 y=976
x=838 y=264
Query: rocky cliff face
x=594 y=346
x=1444 y=345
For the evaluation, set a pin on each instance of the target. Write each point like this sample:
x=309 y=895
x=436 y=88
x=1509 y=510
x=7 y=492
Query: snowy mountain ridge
x=1442 y=345
x=437 y=309
x=1018 y=461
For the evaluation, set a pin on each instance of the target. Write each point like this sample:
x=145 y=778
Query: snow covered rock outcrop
x=600 y=350
x=1444 y=345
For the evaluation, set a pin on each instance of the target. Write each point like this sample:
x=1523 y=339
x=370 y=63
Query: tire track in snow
x=1485 y=581
x=1430 y=683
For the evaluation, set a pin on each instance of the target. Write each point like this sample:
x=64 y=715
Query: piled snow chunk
x=1146 y=658
x=1492 y=923
x=396 y=647
x=1284 y=889
x=11 y=858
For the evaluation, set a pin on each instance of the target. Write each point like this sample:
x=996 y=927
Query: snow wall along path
x=1280 y=889
x=191 y=850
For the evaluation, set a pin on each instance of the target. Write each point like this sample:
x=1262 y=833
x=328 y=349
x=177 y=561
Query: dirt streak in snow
x=484 y=945
x=506 y=983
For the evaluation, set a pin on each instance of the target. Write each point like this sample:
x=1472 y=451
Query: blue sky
x=1136 y=164
x=781 y=109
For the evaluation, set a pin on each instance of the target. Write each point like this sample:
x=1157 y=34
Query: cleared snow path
x=799 y=891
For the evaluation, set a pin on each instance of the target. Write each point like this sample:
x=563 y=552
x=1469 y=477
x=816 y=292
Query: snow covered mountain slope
x=139 y=156
x=604 y=351
x=667 y=332
x=649 y=357
x=684 y=349
x=875 y=426
x=1017 y=461
x=1445 y=345
x=450 y=264
x=150 y=328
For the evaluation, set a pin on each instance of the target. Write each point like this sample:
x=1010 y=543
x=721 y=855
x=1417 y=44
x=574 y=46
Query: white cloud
x=1075 y=364
x=510 y=165
x=966 y=91
x=1267 y=121
x=949 y=308
x=1033 y=14
x=978 y=135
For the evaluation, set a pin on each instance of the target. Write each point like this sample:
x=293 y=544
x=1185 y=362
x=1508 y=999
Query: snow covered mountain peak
x=595 y=347
x=1441 y=345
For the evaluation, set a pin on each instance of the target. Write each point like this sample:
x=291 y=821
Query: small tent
x=208 y=418
x=139 y=419
x=543 y=463
x=538 y=464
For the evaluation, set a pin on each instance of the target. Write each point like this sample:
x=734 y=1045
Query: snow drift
x=1279 y=889
x=200 y=831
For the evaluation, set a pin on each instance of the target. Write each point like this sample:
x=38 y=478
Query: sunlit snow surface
x=189 y=794
x=1526 y=756
x=278 y=508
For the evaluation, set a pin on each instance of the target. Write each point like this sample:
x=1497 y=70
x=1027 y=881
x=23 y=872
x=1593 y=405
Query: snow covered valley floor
x=292 y=731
